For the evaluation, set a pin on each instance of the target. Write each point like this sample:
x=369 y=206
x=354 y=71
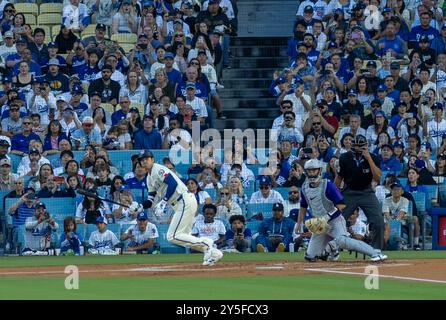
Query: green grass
x=40 y=261
x=199 y=288
x=313 y=286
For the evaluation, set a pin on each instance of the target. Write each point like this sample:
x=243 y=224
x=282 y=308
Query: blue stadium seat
x=253 y=225
x=432 y=191
x=395 y=234
x=420 y=200
x=283 y=192
x=442 y=195
x=166 y=246
x=265 y=208
x=212 y=194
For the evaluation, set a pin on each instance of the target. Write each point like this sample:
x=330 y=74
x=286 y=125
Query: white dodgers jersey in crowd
x=103 y=241
x=140 y=237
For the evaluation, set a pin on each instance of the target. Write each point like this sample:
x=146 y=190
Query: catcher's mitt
x=316 y=225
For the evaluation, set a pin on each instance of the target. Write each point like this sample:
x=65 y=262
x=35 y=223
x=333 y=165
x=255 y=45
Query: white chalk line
x=362 y=266
x=380 y=275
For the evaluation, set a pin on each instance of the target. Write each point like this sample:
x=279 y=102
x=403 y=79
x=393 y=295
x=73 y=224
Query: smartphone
x=364 y=71
x=307 y=150
x=356 y=35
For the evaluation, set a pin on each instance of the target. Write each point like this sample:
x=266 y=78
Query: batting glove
x=136 y=207
x=159 y=208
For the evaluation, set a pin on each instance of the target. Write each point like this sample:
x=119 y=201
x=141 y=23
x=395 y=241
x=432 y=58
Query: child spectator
x=102 y=241
x=238 y=237
x=70 y=240
x=209 y=227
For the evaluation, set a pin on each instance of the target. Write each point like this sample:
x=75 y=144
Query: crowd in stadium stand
x=98 y=76
x=84 y=81
x=375 y=69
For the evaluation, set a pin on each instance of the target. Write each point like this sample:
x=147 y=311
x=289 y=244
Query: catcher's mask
x=311 y=165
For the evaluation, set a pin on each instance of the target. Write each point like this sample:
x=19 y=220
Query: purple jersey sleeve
x=333 y=193
x=303 y=201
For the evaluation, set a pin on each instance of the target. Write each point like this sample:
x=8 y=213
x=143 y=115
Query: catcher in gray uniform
x=326 y=203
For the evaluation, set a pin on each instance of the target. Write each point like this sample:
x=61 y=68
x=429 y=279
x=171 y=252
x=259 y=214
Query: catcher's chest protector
x=318 y=202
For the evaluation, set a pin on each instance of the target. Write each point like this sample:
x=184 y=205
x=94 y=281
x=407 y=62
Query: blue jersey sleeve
x=333 y=193
x=303 y=201
x=171 y=186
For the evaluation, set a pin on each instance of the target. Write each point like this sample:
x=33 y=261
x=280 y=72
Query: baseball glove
x=316 y=225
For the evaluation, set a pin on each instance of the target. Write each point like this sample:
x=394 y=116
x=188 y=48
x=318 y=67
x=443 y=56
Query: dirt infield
x=424 y=270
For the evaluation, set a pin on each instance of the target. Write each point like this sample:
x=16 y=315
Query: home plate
x=269 y=268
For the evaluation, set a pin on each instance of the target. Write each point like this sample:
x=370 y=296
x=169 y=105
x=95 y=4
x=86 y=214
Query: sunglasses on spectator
x=10 y=10
x=287 y=107
x=224 y=193
x=179 y=35
x=14 y=110
x=264 y=187
x=88 y=124
x=194 y=63
x=18 y=182
x=26 y=122
x=316 y=123
x=289 y=119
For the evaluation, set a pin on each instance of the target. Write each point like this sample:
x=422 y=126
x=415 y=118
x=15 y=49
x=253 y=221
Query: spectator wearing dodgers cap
x=52 y=54
x=266 y=194
x=142 y=235
x=87 y=135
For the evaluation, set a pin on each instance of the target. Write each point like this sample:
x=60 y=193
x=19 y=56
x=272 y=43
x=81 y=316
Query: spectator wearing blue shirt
x=86 y=135
x=173 y=75
x=340 y=69
x=122 y=113
x=401 y=115
x=276 y=233
x=391 y=42
x=148 y=137
x=88 y=71
x=38 y=47
x=20 y=141
x=13 y=59
x=392 y=93
x=388 y=160
x=52 y=54
x=20 y=211
x=59 y=82
x=77 y=58
x=304 y=71
x=138 y=181
x=76 y=95
x=26 y=55
x=424 y=29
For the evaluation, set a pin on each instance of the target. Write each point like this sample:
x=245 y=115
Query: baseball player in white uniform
x=162 y=181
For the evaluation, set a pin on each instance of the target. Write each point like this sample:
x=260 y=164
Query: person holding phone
x=238 y=236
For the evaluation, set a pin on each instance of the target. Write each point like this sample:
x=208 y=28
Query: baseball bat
x=94 y=195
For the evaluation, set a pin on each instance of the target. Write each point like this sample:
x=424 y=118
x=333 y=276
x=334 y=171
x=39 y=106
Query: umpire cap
x=359 y=140
x=145 y=154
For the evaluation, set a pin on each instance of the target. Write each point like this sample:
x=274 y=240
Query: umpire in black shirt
x=357 y=168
